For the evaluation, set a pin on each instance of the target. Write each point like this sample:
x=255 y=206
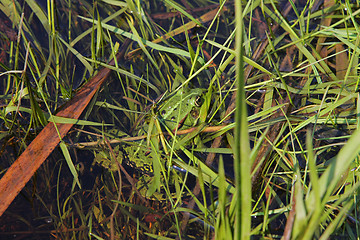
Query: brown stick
x=137 y=138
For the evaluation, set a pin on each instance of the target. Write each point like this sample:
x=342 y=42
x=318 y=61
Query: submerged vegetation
x=191 y=136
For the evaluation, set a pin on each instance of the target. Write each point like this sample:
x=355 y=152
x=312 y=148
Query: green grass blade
x=242 y=163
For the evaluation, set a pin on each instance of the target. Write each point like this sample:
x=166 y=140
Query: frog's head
x=179 y=106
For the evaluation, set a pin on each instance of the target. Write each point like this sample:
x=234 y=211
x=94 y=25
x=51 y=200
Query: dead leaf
x=342 y=61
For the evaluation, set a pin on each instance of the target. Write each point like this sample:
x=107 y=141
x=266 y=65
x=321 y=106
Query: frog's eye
x=197 y=101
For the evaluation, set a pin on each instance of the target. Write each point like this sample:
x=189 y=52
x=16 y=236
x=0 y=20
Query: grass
x=271 y=151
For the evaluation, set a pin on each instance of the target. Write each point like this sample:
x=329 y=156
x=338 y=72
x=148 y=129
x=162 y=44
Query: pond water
x=167 y=105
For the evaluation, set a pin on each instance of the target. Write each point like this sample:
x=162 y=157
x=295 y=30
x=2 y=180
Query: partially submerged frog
x=177 y=110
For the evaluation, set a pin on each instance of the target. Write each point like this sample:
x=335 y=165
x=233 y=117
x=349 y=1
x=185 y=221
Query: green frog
x=177 y=110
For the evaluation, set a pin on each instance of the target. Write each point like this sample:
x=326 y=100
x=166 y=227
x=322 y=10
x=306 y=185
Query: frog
x=181 y=107
x=178 y=111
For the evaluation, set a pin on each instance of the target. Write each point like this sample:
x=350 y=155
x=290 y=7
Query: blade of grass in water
x=241 y=152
